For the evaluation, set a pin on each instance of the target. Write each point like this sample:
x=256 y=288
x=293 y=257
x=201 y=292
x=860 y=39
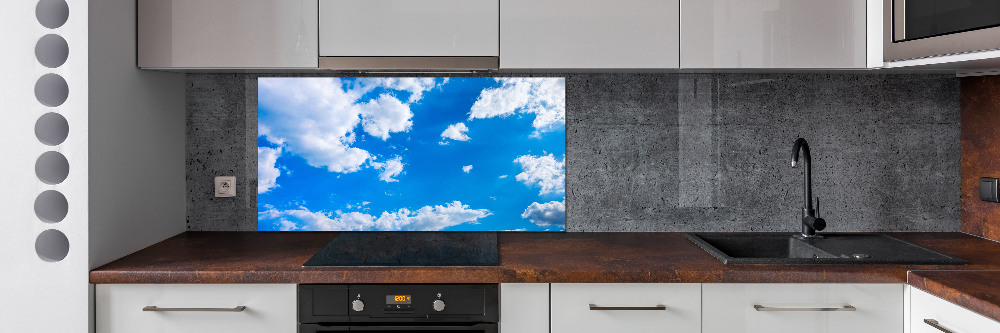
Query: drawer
x=626 y=307
x=778 y=308
x=268 y=308
x=949 y=316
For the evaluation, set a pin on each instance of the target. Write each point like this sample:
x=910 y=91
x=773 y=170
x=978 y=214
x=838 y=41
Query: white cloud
x=543 y=97
x=416 y=86
x=286 y=225
x=546 y=214
x=317 y=118
x=455 y=132
x=503 y=176
x=542 y=171
x=385 y=115
x=313 y=118
x=390 y=168
x=267 y=172
x=426 y=218
x=467 y=168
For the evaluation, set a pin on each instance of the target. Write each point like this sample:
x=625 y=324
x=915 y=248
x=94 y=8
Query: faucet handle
x=817 y=206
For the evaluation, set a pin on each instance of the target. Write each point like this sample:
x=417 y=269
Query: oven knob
x=438 y=305
x=358 y=305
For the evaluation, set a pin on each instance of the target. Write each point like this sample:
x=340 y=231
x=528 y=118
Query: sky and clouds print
x=412 y=154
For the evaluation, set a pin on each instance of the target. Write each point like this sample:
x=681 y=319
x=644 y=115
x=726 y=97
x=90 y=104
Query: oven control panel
x=398 y=303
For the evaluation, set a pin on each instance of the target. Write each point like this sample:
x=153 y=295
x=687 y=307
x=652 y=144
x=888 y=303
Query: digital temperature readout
x=397 y=299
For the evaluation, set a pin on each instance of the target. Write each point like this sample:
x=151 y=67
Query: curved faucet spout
x=803 y=146
x=810 y=222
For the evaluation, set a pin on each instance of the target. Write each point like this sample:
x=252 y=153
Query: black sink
x=787 y=248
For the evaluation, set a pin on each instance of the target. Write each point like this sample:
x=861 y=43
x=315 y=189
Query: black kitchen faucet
x=810 y=222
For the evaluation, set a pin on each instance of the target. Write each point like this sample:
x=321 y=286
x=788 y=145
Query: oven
x=927 y=28
x=389 y=308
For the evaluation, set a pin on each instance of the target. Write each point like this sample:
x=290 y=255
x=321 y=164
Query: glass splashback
x=411 y=154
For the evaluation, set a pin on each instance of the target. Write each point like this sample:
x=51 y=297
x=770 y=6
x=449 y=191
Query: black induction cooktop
x=409 y=248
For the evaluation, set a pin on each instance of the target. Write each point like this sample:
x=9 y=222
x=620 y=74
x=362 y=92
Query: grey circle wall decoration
x=52 y=13
x=51 y=90
x=51 y=206
x=52 y=245
x=51 y=129
x=51 y=50
x=52 y=168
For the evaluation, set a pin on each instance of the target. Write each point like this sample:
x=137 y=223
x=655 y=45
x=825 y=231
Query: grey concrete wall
x=683 y=152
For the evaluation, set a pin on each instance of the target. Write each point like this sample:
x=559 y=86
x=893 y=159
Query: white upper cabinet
x=227 y=34
x=779 y=33
x=409 y=28
x=589 y=34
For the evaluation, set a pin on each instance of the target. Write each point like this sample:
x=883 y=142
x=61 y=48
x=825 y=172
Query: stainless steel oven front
x=454 y=308
x=916 y=29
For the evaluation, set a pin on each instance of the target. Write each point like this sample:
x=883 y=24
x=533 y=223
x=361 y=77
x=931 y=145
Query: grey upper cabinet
x=220 y=34
x=779 y=34
x=409 y=34
x=582 y=34
x=409 y=28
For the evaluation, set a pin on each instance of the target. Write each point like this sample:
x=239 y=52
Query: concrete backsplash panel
x=682 y=152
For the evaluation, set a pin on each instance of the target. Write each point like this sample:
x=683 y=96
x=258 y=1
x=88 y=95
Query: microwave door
x=916 y=19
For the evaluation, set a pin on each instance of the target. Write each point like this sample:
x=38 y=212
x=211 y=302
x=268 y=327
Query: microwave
x=915 y=29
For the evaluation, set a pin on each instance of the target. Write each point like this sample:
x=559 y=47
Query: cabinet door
x=269 y=308
x=773 y=34
x=524 y=308
x=626 y=307
x=951 y=317
x=409 y=28
x=589 y=34
x=227 y=34
x=802 y=308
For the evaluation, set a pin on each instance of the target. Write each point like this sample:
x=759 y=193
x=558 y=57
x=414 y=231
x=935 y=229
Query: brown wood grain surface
x=978 y=291
x=277 y=257
x=980 y=153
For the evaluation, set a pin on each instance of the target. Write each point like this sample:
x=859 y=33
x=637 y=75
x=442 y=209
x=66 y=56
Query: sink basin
x=786 y=248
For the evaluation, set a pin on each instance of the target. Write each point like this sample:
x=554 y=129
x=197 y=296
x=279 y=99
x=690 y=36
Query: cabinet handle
x=759 y=307
x=935 y=324
x=233 y=309
x=628 y=308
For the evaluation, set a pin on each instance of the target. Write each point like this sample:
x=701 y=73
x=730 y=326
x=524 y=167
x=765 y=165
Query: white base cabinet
x=626 y=307
x=802 y=308
x=524 y=308
x=269 y=308
x=946 y=315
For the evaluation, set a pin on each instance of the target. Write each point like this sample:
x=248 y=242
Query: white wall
x=137 y=186
x=37 y=295
x=125 y=148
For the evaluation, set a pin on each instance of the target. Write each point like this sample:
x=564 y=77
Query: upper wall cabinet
x=404 y=33
x=222 y=34
x=778 y=33
x=589 y=34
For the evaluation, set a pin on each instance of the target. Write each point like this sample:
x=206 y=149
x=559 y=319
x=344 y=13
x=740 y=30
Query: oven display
x=397 y=299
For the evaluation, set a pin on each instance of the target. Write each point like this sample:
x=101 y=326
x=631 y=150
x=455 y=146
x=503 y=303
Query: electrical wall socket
x=225 y=186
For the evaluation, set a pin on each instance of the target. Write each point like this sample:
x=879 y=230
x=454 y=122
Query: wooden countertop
x=978 y=291
x=277 y=257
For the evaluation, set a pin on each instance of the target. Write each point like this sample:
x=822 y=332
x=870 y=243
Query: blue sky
x=456 y=154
